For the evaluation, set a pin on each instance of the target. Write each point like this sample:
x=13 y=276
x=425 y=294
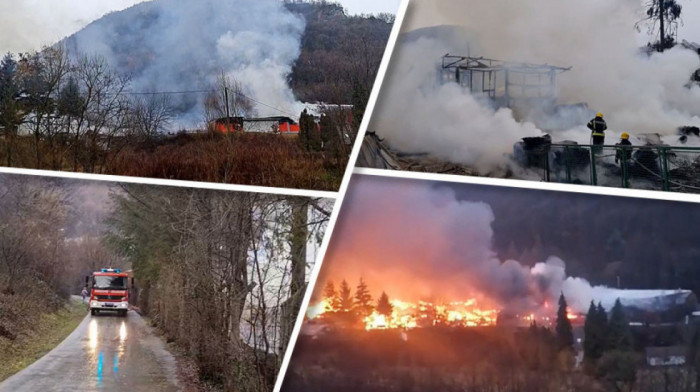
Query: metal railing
x=674 y=169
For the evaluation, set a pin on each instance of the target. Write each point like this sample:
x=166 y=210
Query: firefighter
x=622 y=155
x=84 y=293
x=597 y=127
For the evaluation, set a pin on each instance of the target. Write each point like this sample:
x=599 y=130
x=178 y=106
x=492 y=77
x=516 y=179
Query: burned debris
x=375 y=153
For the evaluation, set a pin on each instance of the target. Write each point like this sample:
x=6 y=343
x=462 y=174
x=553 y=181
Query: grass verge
x=49 y=331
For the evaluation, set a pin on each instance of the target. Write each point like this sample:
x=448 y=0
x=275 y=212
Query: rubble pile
x=376 y=154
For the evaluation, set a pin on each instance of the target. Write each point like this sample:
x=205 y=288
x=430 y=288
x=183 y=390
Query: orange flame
x=410 y=315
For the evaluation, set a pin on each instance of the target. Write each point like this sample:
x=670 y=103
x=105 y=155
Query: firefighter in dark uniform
x=597 y=127
x=623 y=156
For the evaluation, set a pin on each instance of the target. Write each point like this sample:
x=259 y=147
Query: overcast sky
x=424 y=13
x=28 y=24
x=371 y=6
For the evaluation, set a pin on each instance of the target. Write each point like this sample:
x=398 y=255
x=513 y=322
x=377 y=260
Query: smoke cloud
x=418 y=114
x=416 y=240
x=637 y=93
x=180 y=45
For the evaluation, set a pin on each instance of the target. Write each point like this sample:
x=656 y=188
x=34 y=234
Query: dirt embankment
x=23 y=343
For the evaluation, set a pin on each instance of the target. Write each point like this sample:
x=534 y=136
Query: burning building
x=431 y=250
x=521 y=87
x=641 y=307
x=279 y=124
x=468 y=111
x=408 y=315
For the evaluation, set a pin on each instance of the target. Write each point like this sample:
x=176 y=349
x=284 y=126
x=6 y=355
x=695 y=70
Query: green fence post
x=625 y=170
x=594 y=176
x=567 y=161
x=546 y=164
x=664 y=168
x=622 y=153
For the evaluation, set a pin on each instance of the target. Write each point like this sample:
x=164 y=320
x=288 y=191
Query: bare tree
x=229 y=99
x=298 y=239
x=31 y=212
x=666 y=13
x=42 y=75
x=102 y=114
x=224 y=274
x=148 y=116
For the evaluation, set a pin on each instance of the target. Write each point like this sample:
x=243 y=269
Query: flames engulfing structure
x=180 y=45
x=638 y=93
x=409 y=315
x=417 y=241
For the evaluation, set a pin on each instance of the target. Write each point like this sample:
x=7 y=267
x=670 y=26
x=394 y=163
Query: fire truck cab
x=109 y=290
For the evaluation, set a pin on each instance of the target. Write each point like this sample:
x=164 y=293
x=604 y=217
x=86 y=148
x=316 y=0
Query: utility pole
x=228 y=113
x=661 y=25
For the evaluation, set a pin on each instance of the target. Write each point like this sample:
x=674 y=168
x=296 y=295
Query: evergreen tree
x=603 y=326
x=309 y=133
x=304 y=138
x=363 y=300
x=10 y=111
x=565 y=334
x=330 y=295
x=384 y=306
x=70 y=100
x=594 y=336
x=360 y=95
x=619 y=334
x=331 y=136
x=694 y=351
x=345 y=297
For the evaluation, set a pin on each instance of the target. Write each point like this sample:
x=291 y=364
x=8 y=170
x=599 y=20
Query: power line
x=167 y=92
x=262 y=103
x=206 y=91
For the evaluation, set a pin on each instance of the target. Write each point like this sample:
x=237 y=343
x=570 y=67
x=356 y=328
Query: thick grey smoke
x=418 y=114
x=27 y=25
x=637 y=93
x=181 y=45
x=415 y=242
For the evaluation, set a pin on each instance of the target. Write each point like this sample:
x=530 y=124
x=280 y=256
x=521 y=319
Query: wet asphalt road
x=105 y=353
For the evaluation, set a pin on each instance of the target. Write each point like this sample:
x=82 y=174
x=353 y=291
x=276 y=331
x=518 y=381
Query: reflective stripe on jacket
x=597 y=126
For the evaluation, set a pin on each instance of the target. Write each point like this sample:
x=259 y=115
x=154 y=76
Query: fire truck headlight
x=124 y=304
x=95 y=304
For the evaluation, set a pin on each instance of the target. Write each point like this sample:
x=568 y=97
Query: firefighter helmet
x=599 y=114
x=625 y=135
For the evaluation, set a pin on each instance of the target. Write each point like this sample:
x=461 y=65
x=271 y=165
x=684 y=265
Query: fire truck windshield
x=109 y=282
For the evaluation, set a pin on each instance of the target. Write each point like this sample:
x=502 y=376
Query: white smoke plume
x=637 y=93
x=27 y=25
x=579 y=293
x=417 y=114
x=415 y=241
x=180 y=45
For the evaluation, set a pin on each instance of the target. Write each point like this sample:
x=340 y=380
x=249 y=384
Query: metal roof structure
x=500 y=80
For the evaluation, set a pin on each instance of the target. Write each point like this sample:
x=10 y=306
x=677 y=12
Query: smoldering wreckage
x=654 y=161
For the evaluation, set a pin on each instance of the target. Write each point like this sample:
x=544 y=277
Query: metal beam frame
x=489 y=69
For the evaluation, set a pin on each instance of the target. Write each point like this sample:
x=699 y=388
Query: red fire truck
x=109 y=290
